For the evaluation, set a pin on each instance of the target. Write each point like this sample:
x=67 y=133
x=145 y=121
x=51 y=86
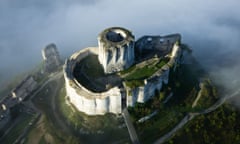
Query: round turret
x=116 y=49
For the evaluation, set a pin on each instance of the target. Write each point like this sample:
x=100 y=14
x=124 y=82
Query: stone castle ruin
x=51 y=58
x=119 y=72
x=116 y=49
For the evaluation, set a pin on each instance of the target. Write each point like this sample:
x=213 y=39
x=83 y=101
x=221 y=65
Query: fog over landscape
x=210 y=28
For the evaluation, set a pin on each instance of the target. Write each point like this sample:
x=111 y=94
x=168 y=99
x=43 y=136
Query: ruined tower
x=116 y=49
x=51 y=58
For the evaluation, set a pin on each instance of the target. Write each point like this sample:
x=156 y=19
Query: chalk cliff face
x=116 y=53
x=116 y=49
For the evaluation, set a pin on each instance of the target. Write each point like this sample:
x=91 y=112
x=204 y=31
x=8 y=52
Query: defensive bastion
x=120 y=71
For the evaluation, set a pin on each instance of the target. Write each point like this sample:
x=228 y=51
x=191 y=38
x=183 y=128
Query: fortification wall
x=143 y=93
x=85 y=100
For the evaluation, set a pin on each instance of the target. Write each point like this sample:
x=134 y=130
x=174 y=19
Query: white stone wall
x=104 y=103
x=85 y=100
x=112 y=61
x=143 y=93
x=111 y=101
x=116 y=56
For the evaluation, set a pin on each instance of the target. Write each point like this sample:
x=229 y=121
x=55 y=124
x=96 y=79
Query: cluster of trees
x=142 y=109
x=220 y=126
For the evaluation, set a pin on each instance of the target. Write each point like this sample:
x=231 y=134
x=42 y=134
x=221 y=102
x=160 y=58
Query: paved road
x=190 y=116
x=131 y=129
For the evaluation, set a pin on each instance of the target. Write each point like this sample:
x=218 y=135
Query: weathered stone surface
x=85 y=100
x=143 y=93
x=51 y=58
x=116 y=49
x=116 y=52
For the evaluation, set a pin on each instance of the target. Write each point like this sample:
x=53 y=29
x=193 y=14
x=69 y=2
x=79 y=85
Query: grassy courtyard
x=184 y=84
x=135 y=75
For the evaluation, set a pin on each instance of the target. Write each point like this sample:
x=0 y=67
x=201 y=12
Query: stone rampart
x=89 y=102
x=143 y=93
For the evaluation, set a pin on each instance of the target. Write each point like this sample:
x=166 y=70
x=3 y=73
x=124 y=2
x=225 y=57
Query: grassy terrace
x=138 y=74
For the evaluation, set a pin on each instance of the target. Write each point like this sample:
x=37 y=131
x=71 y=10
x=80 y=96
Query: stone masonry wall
x=143 y=93
x=85 y=100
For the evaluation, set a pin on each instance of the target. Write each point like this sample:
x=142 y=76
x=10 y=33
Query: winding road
x=190 y=116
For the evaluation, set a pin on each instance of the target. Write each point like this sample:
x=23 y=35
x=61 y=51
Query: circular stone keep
x=116 y=49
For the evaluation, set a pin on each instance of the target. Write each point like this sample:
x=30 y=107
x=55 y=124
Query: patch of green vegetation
x=161 y=63
x=128 y=70
x=158 y=125
x=220 y=126
x=141 y=73
x=184 y=84
x=22 y=122
x=138 y=74
x=208 y=95
x=134 y=83
x=43 y=100
x=107 y=123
